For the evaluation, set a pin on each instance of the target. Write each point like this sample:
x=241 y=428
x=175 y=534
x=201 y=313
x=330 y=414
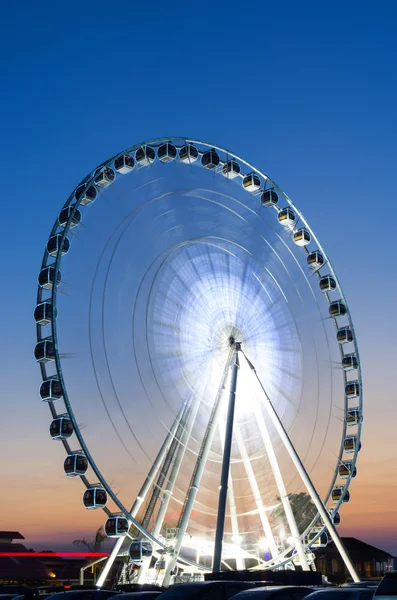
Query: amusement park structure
x=221 y=352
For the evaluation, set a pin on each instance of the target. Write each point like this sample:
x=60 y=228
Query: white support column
x=256 y=493
x=198 y=472
x=142 y=494
x=280 y=484
x=240 y=564
x=165 y=500
x=305 y=477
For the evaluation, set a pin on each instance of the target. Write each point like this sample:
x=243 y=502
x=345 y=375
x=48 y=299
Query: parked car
x=342 y=593
x=387 y=589
x=206 y=590
x=139 y=595
x=284 y=592
x=93 y=594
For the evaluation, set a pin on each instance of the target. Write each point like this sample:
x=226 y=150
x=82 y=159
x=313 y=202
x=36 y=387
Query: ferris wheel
x=200 y=363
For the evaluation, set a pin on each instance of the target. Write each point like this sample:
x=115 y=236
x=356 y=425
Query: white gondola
x=105 y=177
x=75 y=465
x=320 y=542
x=353 y=416
x=47 y=277
x=337 y=309
x=188 y=154
x=251 y=182
x=166 y=152
x=351 y=443
x=335 y=517
x=345 y=469
x=54 y=244
x=352 y=389
x=43 y=313
x=86 y=196
x=95 y=497
x=124 y=164
x=302 y=237
x=64 y=216
x=44 y=351
x=116 y=526
x=51 y=390
x=231 y=169
x=315 y=260
x=61 y=428
x=344 y=335
x=349 y=362
x=269 y=198
x=140 y=549
x=327 y=283
x=210 y=159
x=339 y=494
x=145 y=155
x=286 y=217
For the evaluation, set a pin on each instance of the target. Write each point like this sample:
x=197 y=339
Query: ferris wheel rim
x=72 y=201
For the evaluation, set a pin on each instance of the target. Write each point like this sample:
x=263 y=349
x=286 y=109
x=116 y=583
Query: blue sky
x=305 y=91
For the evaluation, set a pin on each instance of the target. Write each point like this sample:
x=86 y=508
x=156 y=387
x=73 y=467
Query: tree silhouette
x=303 y=510
x=95 y=544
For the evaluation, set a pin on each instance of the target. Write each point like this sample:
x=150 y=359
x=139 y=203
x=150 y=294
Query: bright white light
x=263 y=544
x=290 y=540
x=237 y=539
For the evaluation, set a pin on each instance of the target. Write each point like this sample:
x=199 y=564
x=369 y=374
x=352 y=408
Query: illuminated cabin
x=269 y=198
x=335 y=517
x=337 y=309
x=344 y=335
x=145 y=155
x=210 y=159
x=339 y=493
x=251 y=182
x=44 y=351
x=349 y=362
x=327 y=283
x=315 y=259
x=353 y=416
x=64 y=216
x=47 y=277
x=321 y=541
x=140 y=549
x=61 y=428
x=345 y=469
x=231 y=169
x=75 y=465
x=124 y=164
x=166 y=152
x=105 y=177
x=54 y=244
x=86 y=196
x=95 y=497
x=302 y=237
x=351 y=444
x=116 y=526
x=286 y=217
x=50 y=390
x=188 y=154
x=43 y=313
x=352 y=389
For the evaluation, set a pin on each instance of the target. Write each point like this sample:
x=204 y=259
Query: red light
x=64 y=554
x=67 y=587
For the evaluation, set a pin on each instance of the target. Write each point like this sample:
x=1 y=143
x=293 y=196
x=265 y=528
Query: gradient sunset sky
x=305 y=91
